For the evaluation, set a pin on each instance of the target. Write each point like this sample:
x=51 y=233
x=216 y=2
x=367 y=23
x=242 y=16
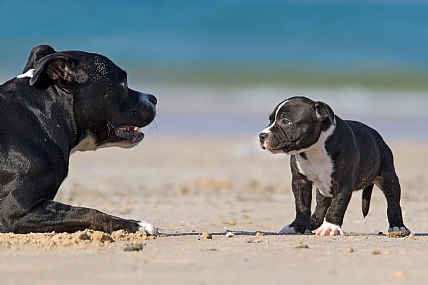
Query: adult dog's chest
x=317 y=166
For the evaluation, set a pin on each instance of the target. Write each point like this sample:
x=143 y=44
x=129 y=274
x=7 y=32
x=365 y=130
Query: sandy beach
x=189 y=186
x=218 y=69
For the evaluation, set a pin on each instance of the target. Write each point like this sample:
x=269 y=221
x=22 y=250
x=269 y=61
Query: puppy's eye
x=124 y=84
x=286 y=122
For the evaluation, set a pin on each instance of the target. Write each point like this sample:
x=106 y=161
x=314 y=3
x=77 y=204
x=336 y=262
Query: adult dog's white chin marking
x=329 y=229
x=149 y=229
x=288 y=230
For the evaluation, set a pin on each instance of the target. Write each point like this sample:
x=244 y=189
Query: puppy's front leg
x=323 y=203
x=302 y=190
x=336 y=212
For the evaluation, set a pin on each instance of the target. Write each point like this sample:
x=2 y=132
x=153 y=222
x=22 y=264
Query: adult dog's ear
x=60 y=68
x=323 y=111
x=36 y=54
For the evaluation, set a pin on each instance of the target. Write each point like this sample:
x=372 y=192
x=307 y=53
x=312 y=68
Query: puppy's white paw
x=399 y=229
x=149 y=229
x=288 y=230
x=329 y=229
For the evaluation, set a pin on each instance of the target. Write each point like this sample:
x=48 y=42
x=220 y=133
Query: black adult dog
x=337 y=157
x=63 y=102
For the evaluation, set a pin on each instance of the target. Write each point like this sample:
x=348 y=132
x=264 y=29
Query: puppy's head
x=295 y=125
x=106 y=111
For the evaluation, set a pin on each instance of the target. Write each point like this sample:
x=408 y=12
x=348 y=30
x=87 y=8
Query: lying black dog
x=337 y=157
x=63 y=102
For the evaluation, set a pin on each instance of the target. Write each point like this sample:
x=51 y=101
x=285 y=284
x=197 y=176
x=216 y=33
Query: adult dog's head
x=295 y=125
x=106 y=111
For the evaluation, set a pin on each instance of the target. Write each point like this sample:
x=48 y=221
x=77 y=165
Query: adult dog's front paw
x=149 y=229
x=329 y=229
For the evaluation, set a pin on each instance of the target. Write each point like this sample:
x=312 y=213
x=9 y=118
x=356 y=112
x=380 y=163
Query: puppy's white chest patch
x=317 y=165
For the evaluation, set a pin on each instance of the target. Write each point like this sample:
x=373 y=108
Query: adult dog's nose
x=152 y=99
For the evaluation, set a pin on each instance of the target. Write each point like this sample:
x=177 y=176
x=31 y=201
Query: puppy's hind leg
x=389 y=184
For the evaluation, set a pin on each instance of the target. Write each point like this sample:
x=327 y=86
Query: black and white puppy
x=337 y=157
x=63 y=102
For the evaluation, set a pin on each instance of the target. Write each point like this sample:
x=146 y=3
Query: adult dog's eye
x=286 y=122
x=124 y=84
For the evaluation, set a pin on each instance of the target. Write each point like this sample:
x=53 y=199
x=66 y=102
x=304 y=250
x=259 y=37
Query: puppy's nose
x=263 y=136
x=152 y=99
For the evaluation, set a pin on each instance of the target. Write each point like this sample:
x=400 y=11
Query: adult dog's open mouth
x=131 y=133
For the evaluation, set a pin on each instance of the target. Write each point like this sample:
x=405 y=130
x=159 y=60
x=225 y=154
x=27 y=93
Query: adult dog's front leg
x=54 y=216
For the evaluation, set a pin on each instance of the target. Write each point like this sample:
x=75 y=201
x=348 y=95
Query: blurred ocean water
x=229 y=62
x=303 y=42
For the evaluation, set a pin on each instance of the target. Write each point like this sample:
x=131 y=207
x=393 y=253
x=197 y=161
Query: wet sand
x=241 y=195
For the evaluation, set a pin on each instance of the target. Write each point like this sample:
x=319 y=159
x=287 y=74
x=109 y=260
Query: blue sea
x=220 y=67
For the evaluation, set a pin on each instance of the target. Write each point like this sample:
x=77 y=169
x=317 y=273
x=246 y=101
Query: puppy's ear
x=60 y=68
x=36 y=54
x=323 y=111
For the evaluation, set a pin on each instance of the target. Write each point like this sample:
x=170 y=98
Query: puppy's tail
x=365 y=203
